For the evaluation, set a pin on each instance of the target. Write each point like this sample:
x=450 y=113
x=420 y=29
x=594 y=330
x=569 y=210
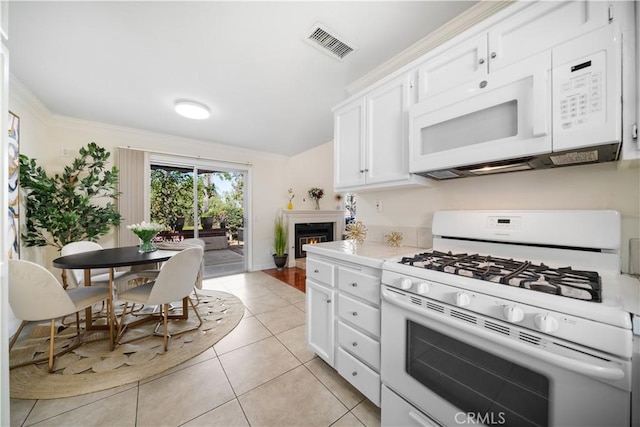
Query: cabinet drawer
x=359 y=284
x=359 y=314
x=320 y=271
x=360 y=376
x=365 y=348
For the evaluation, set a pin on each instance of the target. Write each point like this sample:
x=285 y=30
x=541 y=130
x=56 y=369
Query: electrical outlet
x=64 y=152
x=378 y=205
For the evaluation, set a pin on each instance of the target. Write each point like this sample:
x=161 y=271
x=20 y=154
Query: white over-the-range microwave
x=558 y=108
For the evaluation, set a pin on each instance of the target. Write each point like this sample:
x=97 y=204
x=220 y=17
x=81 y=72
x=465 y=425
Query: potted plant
x=207 y=220
x=77 y=204
x=71 y=206
x=280 y=242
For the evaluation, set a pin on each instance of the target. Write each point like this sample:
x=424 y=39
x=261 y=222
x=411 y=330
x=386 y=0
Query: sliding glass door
x=205 y=202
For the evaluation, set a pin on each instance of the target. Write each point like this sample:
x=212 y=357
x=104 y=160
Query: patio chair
x=174 y=282
x=36 y=295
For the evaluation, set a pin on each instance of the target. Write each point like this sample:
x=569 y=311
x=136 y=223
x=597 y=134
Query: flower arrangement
x=291 y=195
x=146 y=231
x=316 y=194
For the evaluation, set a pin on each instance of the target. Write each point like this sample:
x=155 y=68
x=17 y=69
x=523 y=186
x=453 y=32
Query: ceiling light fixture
x=192 y=110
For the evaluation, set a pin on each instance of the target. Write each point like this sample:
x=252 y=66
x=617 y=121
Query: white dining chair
x=173 y=283
x=36 y=295
x=99 y=276
x=137 y=276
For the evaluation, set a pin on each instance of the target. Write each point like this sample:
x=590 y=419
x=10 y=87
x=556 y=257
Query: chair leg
x=122 y=316
x=78 y=324
x=51 y=344
x=15 y=336
x=195 y=291
x=165 y=309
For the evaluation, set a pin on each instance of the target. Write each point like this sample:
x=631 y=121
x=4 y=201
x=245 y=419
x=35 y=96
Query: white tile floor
x=261 y=374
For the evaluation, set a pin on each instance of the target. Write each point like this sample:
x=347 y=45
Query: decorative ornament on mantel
x=291 y=195
x=316 y=194
x=356 y=232
x=394 y=238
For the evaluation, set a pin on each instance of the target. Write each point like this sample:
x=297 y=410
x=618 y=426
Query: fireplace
x=311 y=233
x=295 y=217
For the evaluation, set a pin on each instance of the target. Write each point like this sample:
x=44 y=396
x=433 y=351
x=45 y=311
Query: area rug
x=93 y=367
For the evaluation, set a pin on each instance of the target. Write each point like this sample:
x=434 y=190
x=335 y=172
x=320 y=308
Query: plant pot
x=207 y=223
x=178 y=224
x=280 y=261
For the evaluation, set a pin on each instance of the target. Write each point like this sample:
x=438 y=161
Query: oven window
x=474 y=381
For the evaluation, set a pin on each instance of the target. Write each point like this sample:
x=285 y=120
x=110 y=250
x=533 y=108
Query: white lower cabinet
x=346 y=330
x=359 y=375
x=320 y=320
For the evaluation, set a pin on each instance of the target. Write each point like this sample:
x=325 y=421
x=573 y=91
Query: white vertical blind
x=132 y=202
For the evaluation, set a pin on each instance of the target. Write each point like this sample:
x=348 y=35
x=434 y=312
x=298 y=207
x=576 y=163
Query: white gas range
x=514 y=318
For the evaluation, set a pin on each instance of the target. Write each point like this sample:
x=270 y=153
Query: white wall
x=312 y=168
x=44 y=135
x=613 y=185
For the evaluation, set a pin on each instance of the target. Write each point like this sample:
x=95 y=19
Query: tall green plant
x=280 y=236
x=72 y=206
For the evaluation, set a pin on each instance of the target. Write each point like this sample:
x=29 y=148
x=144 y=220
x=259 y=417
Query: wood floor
x=292 y=276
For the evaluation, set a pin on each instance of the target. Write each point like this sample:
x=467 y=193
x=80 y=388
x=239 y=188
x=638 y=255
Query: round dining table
x=109 y=258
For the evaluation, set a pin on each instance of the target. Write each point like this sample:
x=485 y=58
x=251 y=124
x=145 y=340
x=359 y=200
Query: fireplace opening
x=312 y=233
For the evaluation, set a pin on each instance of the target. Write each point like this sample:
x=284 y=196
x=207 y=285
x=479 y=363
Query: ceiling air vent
x=329 y=42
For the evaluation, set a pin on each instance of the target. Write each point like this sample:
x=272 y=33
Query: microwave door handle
x=540 y=94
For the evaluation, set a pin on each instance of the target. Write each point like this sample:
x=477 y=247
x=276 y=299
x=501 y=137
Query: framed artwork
x=13 y=235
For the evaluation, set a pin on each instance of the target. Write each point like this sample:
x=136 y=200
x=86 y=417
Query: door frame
x=198 y=163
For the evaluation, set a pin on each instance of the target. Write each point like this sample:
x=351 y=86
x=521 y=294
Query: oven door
x=458 y=367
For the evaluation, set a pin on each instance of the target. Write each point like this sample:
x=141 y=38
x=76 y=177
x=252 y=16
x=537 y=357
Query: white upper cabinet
x=371 y=138
x=536 y=28
x=464 y=62
x=349 y=140
x=542 y=26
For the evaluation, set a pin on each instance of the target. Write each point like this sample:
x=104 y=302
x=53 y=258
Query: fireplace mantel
x=293 y=217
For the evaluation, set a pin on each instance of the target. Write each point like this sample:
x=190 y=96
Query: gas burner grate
x=567 y=282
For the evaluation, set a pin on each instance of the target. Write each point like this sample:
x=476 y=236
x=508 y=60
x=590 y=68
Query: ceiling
x=126 y=63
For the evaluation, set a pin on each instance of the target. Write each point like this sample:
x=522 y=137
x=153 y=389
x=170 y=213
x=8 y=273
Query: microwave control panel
x=581 y=99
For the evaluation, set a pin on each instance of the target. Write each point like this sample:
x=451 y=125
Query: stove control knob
x=423 y=288
x=462 y=299
x=406 y=283
x=546 y=323
x=513 y=313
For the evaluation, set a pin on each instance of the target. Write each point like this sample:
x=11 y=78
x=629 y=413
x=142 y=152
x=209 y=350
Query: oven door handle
x=421 y=419
x=578 y=366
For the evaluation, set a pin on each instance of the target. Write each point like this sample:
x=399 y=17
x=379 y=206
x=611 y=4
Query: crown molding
x=472 y=16
x=19 y=93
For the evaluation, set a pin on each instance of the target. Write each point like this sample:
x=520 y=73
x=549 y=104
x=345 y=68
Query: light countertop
x=371 y=254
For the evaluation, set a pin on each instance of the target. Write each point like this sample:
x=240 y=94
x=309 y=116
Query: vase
x=146 y=241
x=290 y=206
x=317 y=204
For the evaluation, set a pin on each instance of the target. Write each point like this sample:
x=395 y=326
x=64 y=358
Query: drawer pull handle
x=328 y=301
x=316 y=271
x=354 y=284
x=355 y=313
x=355 y=344
x=354 y=373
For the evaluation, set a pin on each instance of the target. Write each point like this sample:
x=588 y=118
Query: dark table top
x=113 y=257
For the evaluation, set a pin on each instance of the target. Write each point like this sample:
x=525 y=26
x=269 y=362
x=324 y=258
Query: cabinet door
x=349 y=134
x=320 y=320
x=387 y=139
x=542 y=26
x=462 y=63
